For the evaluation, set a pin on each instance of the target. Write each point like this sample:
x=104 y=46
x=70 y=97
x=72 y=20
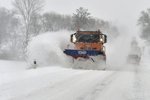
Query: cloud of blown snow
x=117 y=50
x=47 y=48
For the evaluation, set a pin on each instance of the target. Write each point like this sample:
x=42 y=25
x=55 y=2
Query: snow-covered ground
x=17 y=82
x=53 y=79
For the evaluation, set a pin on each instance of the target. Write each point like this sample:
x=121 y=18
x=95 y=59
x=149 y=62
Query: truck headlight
x=101 y=40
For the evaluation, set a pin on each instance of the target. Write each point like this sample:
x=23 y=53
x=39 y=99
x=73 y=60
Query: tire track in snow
x=138 y=89
x=66 y=89
x=31 y=84
x=98 y=88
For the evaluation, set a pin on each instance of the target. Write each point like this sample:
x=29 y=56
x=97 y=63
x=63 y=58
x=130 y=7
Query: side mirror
x=103 y=38
x=73 y=38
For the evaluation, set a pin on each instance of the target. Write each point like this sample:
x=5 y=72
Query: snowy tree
x=49 y=21
x=80 y=18
x=144 y=22
x=36 y=24
x=5 y=18
x=9 y=36
x=27 y=9
x=54 y=22
x=8 y=25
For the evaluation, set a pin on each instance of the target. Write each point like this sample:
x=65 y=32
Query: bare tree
x=10 y=38
x=54 y=22
x=27 y=9
x=36 y=24
x=80 y=18
x=144 y=22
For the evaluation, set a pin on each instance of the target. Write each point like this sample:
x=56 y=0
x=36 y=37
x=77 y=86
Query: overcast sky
x=125 y=12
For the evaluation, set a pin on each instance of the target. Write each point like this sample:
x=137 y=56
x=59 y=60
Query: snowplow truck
x=88 y=45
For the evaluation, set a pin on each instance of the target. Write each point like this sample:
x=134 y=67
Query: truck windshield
x=90 y=38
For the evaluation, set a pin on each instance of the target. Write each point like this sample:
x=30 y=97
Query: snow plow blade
x=82 y=53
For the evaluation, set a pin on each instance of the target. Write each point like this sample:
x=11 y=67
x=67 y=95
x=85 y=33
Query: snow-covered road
x=56 y=83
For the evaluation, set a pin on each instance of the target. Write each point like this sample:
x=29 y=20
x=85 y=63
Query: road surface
x=56 y=83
